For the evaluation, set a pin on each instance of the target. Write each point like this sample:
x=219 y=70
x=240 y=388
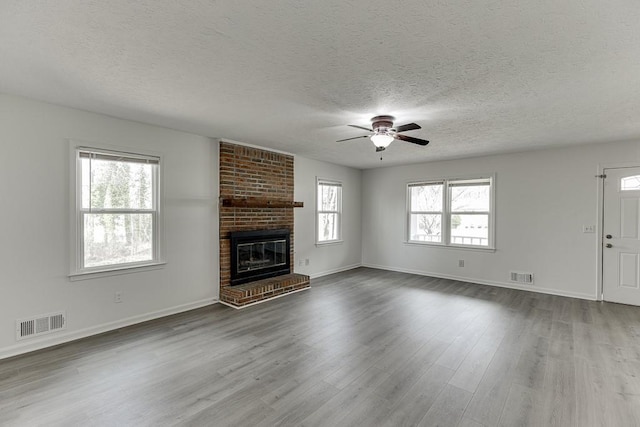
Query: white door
x=621 y=236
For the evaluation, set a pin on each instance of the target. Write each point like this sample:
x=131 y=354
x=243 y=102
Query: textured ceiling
x=480 y=77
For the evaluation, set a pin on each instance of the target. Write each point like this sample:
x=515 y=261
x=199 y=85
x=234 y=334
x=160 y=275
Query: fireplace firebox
x=259 y=254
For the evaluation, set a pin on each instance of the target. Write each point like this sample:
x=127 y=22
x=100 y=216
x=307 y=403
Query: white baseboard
x=49 y=341
x=335 y=270
x=530 y=288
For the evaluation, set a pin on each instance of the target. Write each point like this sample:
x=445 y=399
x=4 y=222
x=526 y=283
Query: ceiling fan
x=383 y=132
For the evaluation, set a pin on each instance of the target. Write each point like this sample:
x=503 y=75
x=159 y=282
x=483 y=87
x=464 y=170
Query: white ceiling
x=480 y=77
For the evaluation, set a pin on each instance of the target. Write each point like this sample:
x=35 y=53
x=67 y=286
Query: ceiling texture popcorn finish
x=479 y=77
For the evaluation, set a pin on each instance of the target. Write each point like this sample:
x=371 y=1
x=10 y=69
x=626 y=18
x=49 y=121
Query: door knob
x=608 y=236
x=608 y=245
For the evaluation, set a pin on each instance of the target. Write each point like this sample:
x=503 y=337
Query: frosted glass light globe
x=381 y=140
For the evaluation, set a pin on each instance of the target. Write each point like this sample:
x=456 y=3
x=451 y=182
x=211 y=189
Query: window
x=426 y=212
x=454 y=212
x=117 y=214
x=329 y=211
x=630 y=183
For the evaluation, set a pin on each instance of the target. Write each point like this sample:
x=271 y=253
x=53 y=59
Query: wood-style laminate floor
x=365 y=347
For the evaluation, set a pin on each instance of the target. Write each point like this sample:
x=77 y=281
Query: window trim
x=77 y=271
x=447 y=213
x=320 y=181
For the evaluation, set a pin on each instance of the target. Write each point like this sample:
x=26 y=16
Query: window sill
x=115 y=271
x=329 y=243
x=459 y=247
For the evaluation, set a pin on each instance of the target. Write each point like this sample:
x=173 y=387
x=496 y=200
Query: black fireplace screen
x=259 y=254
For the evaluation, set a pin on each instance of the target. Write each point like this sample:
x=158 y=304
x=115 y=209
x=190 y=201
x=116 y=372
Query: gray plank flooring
x=364 y=347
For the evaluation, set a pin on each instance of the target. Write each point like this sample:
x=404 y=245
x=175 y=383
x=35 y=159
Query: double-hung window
x=451 y=212
x=426 y=211
x=329 y=211
x=117 y=210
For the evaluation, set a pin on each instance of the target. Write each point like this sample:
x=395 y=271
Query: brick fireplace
x=256 y=194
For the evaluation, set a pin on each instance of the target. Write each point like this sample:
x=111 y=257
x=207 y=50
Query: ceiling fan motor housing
x=382 y=124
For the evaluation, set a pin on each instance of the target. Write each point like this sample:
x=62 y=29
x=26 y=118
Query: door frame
x=602 y=168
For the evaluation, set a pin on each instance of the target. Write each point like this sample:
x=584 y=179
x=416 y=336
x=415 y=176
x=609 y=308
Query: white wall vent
x=519 y=277
x=40 y=325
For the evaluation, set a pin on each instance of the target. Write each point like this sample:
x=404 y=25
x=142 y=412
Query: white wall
x=34 y=237
x=543 y=198
x=331 y=258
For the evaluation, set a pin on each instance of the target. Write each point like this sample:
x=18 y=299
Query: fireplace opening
x=259 y=254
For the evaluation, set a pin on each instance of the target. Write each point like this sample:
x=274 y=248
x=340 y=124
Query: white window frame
x=323 y=181
x=448 y=184
x=77 y=270
x=442 y=213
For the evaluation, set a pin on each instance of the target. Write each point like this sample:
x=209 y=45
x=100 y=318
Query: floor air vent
x=40 y=325
x=521 y=277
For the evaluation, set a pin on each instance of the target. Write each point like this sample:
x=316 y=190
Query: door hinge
x=603 y=176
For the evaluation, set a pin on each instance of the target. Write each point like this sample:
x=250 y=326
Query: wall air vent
x=520 y=277
x=40 y=325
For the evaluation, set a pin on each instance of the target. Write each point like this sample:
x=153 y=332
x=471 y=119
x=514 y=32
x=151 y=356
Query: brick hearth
x=251 y=173
x=259 y=290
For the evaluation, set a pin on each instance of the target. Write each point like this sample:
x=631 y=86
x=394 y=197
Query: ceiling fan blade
x=360 y=127
x=355 y=137
x=409 y=126
x=412 y=139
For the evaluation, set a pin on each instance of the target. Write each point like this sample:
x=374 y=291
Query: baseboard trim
x=62 y=338
x=335 y=270
x=498 y=284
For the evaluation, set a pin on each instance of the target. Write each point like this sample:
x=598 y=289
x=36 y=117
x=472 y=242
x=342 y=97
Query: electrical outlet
x=460 y=263
x=306 y=261
x=300 y=262
x=588 y=228
x=117 y=297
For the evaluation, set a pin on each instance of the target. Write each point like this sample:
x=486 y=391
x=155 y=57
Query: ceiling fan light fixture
x=383 y=133
x=381 y=139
